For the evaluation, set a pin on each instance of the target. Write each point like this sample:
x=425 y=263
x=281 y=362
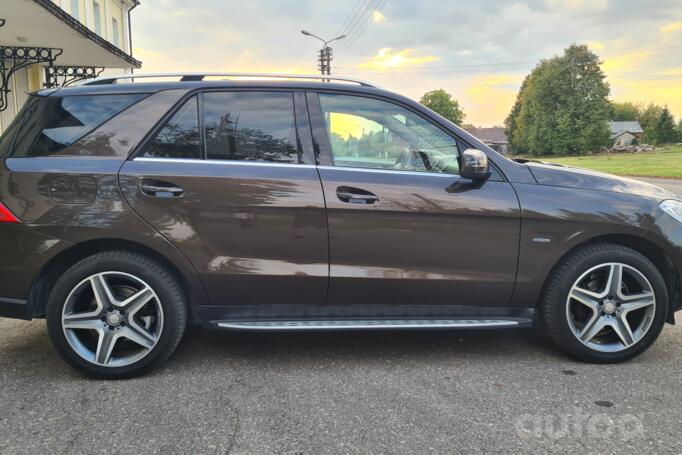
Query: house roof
x=618 y=128
x=494 y=135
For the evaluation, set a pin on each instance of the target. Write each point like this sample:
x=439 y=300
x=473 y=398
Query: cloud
x=672 y=72
x=672 y=27
x=377 y=16
x=387 y=59
x=475 y=50
x=595 y=45
x=579 y=5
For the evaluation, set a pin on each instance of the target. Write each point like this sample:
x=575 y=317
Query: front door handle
x=356 y=195
x=161 y=189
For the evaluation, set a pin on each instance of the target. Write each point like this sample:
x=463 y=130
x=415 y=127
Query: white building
x=51 y=43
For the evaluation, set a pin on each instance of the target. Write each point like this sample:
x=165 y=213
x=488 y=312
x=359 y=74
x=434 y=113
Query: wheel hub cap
x=609 y=307
x=114 y=319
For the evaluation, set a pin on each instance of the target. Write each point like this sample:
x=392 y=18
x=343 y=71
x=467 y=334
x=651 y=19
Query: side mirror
x=474 y=165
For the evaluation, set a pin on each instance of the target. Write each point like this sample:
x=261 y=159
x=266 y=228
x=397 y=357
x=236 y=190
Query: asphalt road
x=671 y=184
x=389 y=392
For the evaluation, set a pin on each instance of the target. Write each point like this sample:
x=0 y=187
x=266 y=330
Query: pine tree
x=665 y=127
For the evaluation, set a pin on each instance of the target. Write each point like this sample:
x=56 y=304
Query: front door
x=232 y=184
x=404 y=227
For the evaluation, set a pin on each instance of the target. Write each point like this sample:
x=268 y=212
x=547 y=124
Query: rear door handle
x=356 y=195
x=158 y=188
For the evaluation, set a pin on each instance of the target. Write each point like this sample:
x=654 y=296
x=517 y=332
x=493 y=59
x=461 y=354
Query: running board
x=372 y=324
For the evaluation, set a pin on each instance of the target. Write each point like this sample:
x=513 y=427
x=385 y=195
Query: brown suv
x=130 y=208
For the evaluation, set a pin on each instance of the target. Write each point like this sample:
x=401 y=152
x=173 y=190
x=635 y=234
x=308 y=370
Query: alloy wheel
x=610 y=307
x=112 y=319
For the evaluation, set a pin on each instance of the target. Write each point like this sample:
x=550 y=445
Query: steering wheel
x=408 y=159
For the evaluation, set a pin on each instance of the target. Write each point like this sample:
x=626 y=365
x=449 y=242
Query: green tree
x=626 y=111
x=649 y=115
x=443 y=103
x=562 y=106
x=679 y=131
x=665 y=127
x=650 y=136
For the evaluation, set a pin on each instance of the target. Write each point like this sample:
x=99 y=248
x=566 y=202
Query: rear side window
x=8 y=135
x=179 y=137
x=50 y=124
x=250 y=126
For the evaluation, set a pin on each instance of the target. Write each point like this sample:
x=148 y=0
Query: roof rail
x=200 y=76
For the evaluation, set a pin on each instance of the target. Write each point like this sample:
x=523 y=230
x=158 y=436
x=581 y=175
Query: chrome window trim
x=223 y=162
x=389 y=171
x=294 y=165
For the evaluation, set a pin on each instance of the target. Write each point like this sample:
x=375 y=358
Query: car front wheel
x=604 y=303
x=116 y=314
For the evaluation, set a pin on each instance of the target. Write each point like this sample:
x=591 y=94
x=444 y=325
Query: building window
x=75 y=9
x=98 y=18
x=115 y=33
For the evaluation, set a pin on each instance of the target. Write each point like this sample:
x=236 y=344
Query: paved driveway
x=394 y=392
x=409 y=392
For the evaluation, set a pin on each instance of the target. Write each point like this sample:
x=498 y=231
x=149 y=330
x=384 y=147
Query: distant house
x=493 y=137
x=625 y=133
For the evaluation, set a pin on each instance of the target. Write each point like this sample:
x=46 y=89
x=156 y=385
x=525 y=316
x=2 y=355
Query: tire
x=567 y=305
x=116 y=314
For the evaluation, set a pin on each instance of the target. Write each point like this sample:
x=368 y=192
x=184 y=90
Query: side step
x=372 y=324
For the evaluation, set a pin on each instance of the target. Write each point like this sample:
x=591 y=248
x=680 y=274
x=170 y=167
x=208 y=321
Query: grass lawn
x=666 y=162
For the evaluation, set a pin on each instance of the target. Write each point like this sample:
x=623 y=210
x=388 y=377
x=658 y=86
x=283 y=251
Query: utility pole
x=324 y=55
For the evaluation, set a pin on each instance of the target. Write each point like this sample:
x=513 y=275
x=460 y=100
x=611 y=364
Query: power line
x=361 y=25
x=363 y=7
x=343 y=30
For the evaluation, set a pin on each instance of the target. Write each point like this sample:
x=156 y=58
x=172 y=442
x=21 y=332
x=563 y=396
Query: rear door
x=404 y=227
x=230 y=179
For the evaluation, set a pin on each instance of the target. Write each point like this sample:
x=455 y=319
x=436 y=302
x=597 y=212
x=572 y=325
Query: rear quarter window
x=50 y=124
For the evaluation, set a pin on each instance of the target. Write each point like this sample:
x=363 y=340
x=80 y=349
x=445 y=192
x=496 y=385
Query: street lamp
x=325 y=54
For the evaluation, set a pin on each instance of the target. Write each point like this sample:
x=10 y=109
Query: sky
x=479 y=51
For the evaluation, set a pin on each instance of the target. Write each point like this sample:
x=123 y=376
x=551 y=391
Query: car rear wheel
x=116 y=314
x=604 y=303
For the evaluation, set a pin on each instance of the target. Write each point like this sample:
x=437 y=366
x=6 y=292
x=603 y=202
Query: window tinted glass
x=370 y=133
x=50 y=124
x=179 y=137
x=250 y=126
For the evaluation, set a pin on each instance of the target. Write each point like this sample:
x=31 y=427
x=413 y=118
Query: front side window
x=179 y=137
x=52 y=123
x=250 y=126
x=370 y=133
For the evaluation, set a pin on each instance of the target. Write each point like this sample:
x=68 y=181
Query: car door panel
x=429 y=239
x=252 y=219
x=257 y=234
x=401 y=230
